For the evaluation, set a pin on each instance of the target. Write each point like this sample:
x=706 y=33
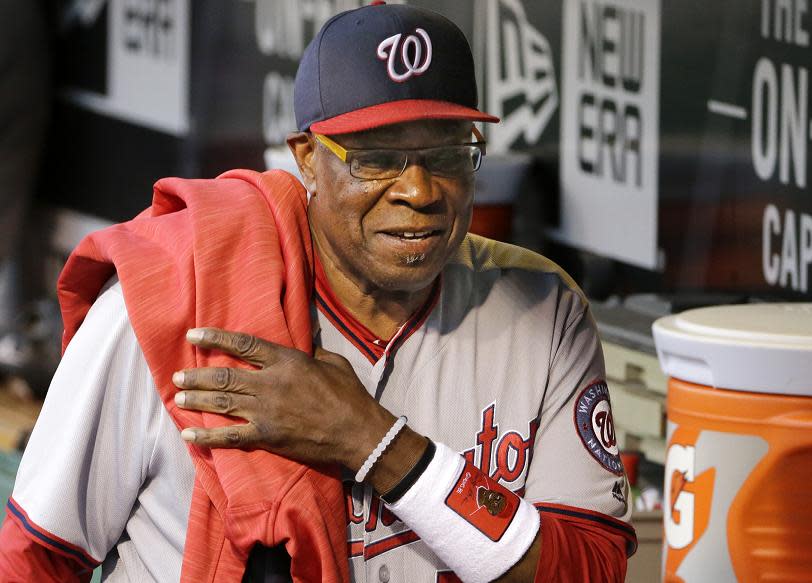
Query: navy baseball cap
x=383 y=64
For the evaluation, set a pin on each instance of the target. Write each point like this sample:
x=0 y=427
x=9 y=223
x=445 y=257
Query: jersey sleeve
x=576 y=474
x=576 y=459
x=89 y=452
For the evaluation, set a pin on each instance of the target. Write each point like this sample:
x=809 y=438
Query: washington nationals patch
x=483 y=502
x=593 y=419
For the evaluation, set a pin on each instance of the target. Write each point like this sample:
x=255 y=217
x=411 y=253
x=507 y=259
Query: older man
x=458 y=381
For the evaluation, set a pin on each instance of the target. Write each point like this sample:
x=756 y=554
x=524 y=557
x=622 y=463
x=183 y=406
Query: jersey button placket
x=369 y=573
x=383 y=574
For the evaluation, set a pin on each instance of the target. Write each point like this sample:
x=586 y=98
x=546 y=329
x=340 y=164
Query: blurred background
x=657 y=150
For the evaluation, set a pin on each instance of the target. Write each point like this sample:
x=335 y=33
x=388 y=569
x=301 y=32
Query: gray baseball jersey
x=503 y=365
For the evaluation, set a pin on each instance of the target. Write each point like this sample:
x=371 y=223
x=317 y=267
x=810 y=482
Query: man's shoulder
x=109 y=307
x=481 y=256
x=107 y=324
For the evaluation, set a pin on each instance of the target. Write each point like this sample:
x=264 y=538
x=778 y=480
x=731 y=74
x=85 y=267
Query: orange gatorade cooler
x=737 y=501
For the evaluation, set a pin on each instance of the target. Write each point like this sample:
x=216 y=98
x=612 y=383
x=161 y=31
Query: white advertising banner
x=147 y=61
x=521 y=87
x=609 y=128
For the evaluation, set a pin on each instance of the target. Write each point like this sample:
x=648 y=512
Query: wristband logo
x=493 y=501
x=596 y=427
x=411 y=53
x=483 y=502
x=499 y=456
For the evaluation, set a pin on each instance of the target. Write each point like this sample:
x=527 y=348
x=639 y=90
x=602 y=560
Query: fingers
x=232 y=436
x=216 y=390
x=222 y=390
x=233 y=380
x=249 y=348
x=215 y=402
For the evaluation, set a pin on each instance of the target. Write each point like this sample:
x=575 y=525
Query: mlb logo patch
x=483 y=502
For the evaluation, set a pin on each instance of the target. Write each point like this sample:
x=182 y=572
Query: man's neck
x=382 y=312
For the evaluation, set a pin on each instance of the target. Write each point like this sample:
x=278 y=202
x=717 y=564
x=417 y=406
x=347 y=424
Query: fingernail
x=187 y=435
x=178 y=378
x=195 y=334
x=180 y=399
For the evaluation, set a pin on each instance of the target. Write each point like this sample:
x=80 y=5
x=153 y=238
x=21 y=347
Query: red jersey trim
x=355 y=548
x=359 y=335
x=610 y=522
x=390 y=543
x=47 y=539
x=369 y=350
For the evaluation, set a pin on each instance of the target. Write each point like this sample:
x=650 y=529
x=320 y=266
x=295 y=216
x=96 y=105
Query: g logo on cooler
x=415 y=63
x=679 y=502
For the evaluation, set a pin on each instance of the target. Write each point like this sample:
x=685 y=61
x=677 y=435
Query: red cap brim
x=397 y=112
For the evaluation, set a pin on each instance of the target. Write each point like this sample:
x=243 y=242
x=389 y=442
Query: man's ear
x=302 y=146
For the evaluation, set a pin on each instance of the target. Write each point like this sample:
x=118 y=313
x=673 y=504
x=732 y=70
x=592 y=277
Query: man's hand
x=314 y=410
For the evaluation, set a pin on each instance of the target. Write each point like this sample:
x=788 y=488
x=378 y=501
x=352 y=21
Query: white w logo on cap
x=388 y=49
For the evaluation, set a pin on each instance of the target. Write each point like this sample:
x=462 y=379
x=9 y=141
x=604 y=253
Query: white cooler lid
x=754 y=347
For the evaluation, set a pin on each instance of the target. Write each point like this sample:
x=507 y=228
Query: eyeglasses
x=452 y=161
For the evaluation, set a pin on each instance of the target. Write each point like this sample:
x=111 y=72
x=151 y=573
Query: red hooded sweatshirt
x=233 y=253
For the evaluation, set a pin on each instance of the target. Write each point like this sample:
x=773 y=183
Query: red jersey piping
x=359 y=335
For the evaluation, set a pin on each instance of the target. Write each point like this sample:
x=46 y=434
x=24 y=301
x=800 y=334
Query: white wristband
x=476 y=526
x=376 y=453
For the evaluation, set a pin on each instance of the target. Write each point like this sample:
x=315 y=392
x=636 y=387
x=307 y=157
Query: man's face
x=366 y=228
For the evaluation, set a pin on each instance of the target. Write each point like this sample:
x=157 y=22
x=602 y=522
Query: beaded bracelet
x=376 y=453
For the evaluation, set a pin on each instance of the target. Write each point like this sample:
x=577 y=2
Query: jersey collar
x=359 y=335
